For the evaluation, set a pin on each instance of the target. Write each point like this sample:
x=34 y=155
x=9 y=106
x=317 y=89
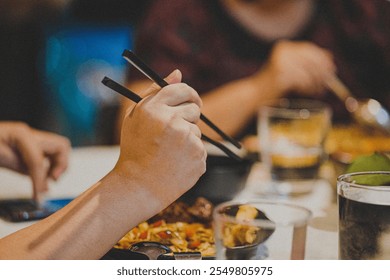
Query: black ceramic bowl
x=224 y=178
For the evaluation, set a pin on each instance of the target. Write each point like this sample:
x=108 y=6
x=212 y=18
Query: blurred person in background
x=161 y=157
x=241 y=54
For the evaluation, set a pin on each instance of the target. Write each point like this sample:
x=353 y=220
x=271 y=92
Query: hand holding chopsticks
x=148 y=72
x=143 y=68
x=136 y=98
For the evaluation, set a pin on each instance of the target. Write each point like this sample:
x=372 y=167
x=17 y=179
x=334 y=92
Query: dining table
x=89 y=164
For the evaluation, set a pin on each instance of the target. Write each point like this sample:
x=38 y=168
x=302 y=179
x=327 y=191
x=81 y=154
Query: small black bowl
x=223 y=180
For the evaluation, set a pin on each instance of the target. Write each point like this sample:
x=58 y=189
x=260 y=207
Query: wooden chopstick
x=148 y=72
x=339 y=88
x=136 y=98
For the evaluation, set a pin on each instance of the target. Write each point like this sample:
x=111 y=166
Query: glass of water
x=364 y=215
x=292 y=134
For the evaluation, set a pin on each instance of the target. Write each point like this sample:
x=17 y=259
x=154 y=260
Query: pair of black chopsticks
x=148 y=72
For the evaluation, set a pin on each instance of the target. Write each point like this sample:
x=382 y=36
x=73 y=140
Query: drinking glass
x=364 y=215
x=260 y=230
x=292 y=134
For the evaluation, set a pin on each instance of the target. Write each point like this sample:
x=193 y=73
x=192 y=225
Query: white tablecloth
x=88 y=165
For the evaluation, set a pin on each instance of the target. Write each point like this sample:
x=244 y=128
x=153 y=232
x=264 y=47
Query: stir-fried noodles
x=179 y=236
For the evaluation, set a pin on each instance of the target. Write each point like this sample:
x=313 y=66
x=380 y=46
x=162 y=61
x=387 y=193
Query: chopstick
x=136 y=98
x=339 y=88
x=148 y=72
x=121 y=89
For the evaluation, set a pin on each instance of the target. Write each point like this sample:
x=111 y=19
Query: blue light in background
x=75 y=61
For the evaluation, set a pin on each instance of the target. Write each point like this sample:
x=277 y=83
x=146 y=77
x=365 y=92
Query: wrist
x=131 y=192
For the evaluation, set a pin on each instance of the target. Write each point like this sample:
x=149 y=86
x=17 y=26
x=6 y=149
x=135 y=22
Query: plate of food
x=182 y=230
x=346 y=142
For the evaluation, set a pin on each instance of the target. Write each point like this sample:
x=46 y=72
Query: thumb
x=174 y=77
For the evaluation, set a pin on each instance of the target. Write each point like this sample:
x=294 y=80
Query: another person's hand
x=302 y=67
x=160 y=136
x=41 y=155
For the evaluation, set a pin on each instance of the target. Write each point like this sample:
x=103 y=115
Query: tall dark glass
x=364 y=215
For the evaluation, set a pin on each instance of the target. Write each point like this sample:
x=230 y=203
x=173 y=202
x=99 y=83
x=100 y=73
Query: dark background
x=23 y=33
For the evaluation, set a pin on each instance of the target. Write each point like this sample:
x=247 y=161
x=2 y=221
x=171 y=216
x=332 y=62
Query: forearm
x=88 y=227
x=233 y=105
x=301 y=67
x=161 y=157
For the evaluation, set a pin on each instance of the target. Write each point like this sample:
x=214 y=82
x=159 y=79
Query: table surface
x=88 y=165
